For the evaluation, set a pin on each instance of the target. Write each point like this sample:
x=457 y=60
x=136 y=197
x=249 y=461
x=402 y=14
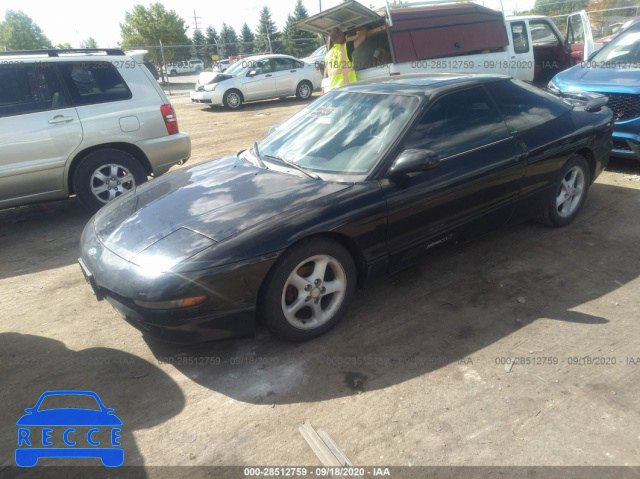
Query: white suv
x=91 y=122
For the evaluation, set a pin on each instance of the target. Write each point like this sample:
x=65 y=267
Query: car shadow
x=445 y=310
x=40 y=237
x=142 y=395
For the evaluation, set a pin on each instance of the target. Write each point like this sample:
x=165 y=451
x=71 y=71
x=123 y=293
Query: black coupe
x=358 y=185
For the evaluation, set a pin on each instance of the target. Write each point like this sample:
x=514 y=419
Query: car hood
x=213 y=77
x=215 y=200
x=604 y=80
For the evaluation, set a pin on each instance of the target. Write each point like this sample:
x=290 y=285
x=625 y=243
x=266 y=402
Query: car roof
x=269 y=55
x=422 y=83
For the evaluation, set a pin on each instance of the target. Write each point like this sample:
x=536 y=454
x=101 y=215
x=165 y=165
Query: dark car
x=358 y=185
x=613 y=71
x=152 y=68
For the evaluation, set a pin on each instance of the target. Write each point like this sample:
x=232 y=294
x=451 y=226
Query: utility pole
x=195 y=20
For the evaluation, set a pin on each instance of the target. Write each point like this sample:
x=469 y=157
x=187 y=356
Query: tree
x=555 y=7
x=148 y=26
x=228 y=41
x=64 y=46
x=298 y=42
x=19 y=32
x=211 y=39
x=247 y=37
x=89 y=43
x=266 y=33
x=198 y=50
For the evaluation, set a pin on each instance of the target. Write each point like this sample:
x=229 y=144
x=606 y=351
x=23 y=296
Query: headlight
x=210 y=87
x=171 y=250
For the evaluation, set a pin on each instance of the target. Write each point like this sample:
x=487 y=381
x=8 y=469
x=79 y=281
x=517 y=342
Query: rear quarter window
x=524 y=106
x=93 y=82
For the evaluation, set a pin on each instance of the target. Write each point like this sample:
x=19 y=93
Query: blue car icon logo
x=69 y=432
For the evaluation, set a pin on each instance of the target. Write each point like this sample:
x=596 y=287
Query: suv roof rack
x=55 y=52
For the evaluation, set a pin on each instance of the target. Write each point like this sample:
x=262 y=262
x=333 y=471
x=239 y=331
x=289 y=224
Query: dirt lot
x=415 y=375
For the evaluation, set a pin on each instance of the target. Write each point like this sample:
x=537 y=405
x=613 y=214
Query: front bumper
x=625 y=143
x=229 y=312
x=206 y=97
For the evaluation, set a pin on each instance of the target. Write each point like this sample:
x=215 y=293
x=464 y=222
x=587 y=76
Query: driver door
x=579 y=36
x=473 y=189
x=262 y=84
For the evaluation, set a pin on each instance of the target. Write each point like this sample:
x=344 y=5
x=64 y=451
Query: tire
x=198 y=70
x=174 y=73
x=318 y=310
x=92 y=177
x=304 y=90
x=232 y=99
x=568 y=194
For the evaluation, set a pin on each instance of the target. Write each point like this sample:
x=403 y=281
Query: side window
x=524 y=106
x=262 y=66
x=542 y=33
x=458 y=122
x=282 y=64
x=94 y=82
x=29 y=89
x=520 y=37
x=576 y=30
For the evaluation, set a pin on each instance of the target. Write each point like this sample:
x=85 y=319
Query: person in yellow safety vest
x=339 y=58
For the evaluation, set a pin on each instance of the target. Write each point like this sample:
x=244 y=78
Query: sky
x=72 y=21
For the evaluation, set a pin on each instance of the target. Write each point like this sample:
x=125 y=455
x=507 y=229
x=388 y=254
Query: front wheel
x=232 y=99
x=568 y=194
x=308 y=291
x=304 y=90
x=103 y=175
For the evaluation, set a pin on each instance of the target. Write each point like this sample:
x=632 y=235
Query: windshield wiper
x=258 y=156
x=294 y=166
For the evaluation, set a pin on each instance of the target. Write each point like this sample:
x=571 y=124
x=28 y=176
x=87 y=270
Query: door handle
x=292 y=71
x=268 y=75
x=58 y=119
x=522 y=156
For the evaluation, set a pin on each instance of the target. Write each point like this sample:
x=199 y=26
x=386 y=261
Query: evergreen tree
x=228 y=41
x=267 y=35
x=298 y=42
x=198 y=50
x=211 y=39
x=247 y=37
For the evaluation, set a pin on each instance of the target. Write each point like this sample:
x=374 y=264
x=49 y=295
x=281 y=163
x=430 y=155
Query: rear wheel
x=308 y=291
x=103 y=175
x=568 y=193
x=232 y=99
x=304 y=90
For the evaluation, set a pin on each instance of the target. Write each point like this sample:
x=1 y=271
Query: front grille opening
x=624 y=106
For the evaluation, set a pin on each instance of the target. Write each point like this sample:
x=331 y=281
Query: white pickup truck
x=188 y=66
x=457 y=37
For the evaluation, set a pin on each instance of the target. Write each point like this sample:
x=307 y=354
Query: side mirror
x=410 y=161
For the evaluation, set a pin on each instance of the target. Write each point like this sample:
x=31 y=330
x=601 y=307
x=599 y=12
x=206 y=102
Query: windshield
x=342 y=132
x=237 y=69
x=624 y=49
